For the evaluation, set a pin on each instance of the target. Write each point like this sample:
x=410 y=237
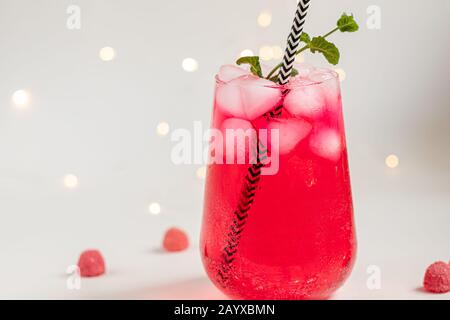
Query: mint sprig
x=304 y=37
x=347 y=23
x=255 y=65
x=328 y=49
x=319 y=44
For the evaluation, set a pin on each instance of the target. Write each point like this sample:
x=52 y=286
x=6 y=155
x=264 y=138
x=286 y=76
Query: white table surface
x=36 y=254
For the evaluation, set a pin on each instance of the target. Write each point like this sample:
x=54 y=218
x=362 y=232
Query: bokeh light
x=21 y=98
x=266 y=53
x=277 y=52
x=163 y=128
x=201 y=173
x=70 y=181
x=392 y=161
x=341 y=73
x=190 y=65
x=247 y=53
x=107 y=54
x=265 y=19
x=154 y=208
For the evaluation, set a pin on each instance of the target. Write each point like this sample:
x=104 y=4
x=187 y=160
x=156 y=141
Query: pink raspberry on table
x=437 y=278
x=175 y=240
x=91 y=263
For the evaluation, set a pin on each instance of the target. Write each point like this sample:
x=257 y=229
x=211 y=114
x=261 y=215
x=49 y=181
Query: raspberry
x=437 y=278
x=91 y=263
x=175 y=240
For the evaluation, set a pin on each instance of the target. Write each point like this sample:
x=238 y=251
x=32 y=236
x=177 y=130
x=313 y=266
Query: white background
x=98 y=120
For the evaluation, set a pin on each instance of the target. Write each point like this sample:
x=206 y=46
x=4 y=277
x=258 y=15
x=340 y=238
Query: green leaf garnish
x=255 y=65
x=328 y=49
x=347 y=23
x=305 y=38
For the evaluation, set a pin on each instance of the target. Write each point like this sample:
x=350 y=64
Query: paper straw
x=253 y=175
x=293 y=42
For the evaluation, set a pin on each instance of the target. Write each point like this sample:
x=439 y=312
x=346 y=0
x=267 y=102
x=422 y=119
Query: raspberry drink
x=289 y=235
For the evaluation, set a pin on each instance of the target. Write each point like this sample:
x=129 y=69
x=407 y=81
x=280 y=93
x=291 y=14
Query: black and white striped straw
x=254 y=172
x=293 y=42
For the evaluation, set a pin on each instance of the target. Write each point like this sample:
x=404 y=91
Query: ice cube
x=239 y=141
x=229 y=100
x=327 y=143
x=291 y=132
x=332 y=90
x=305 y=100
x=230 y=72
x=321 y=74
x=248 y=97
x=304 y=69
x=329 y=81
x=299 y=81
x=259 y=96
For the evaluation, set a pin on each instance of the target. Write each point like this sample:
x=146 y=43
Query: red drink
x=297 y=239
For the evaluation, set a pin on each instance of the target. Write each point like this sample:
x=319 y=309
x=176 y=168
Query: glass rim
x=333 y=75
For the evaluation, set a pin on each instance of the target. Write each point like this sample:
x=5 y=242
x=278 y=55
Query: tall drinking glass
x=288 y=234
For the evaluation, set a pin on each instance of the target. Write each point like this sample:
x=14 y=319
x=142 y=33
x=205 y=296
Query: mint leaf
x=305 y=38
x=328 y=49
x=347 y=23
x=255 y=66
